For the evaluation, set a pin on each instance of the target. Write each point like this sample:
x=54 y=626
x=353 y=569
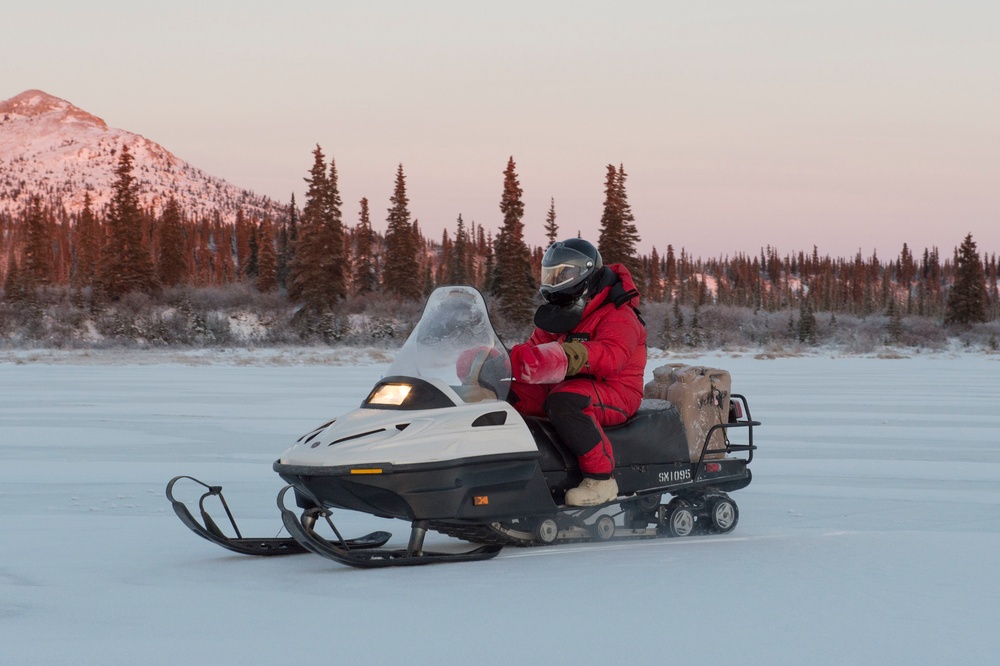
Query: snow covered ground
x=870 y=535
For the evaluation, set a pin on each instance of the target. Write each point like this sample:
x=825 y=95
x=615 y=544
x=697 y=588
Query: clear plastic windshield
x=454 y=341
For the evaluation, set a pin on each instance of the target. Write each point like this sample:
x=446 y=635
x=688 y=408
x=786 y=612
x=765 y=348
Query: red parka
x=605 y=391
x=615 y=339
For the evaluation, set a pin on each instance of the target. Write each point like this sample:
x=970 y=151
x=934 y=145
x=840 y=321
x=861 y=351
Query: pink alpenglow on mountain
x=52 y=148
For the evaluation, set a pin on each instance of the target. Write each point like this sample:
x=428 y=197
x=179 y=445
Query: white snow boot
x=592 y=492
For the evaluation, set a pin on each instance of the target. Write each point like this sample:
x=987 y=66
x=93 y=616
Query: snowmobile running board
x=370 y=558
x=208 y=529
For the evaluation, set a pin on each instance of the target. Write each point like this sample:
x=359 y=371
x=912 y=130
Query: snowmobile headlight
x=390 y=394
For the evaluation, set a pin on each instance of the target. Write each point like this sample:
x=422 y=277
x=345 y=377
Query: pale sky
x=850 y=125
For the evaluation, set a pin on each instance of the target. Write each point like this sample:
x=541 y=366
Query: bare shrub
x=237 y=315
x=855 y=335
x=984 y=337
x=920 y=332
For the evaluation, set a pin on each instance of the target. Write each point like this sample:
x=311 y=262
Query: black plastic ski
x=209 y=530
x=371 y=558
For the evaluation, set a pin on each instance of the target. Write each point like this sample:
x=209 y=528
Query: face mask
x=560 y=318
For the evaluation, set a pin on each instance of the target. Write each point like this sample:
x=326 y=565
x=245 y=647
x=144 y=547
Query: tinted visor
x=561 y=274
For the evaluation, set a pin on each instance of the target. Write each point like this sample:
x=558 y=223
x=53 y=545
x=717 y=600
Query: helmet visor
x=561 y=274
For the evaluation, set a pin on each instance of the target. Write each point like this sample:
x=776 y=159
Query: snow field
x=870 y=533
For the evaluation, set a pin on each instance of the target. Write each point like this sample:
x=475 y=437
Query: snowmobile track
x=682 y=516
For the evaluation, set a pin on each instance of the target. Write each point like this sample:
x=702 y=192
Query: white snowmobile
x=436 y=444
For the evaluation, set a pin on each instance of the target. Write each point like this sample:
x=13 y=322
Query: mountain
x=53 y=148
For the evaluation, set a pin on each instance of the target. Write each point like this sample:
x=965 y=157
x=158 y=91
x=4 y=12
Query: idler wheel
x=604 y=528
x=546 y=531
x=681 y=522
x=724 y=515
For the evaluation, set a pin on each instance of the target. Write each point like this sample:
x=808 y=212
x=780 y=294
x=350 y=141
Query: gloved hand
x=470 y=364
x=576 y=353
x=539 y=364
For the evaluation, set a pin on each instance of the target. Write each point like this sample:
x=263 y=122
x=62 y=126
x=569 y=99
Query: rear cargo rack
x=749 y=447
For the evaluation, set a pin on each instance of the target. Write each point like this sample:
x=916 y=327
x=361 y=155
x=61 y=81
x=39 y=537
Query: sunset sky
x=850 y=125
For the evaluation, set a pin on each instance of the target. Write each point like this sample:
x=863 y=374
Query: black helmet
x=569 y=268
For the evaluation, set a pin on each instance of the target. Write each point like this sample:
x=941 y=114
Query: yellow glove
x=576 y=354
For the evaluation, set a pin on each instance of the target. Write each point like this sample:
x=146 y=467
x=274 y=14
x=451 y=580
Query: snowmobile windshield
x=454 y=342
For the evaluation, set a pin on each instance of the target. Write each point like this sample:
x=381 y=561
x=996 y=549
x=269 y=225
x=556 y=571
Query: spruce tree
x=242 y=229
x=267 y=258
x=305 y=272
x=630 y=233
x=907 y=272
x=37 y=263
x=365 y=260
x=253 y=259
x=654 y=285
x=172 y=263
x=14 y=288
x=286 y=243
x=668 y=338
x=458 y=260
x=895 y=327
x=808 y=331
x=609 y=243
x=400 y=275
x=444 y=258
x=126 y=264
x=316 y=276
x=551 y=228
x=669 y=274
x=619 y=236
x=224 y=267
x=695 y=338
x=489 y=263
x=333 y=219
x=428 y=280
x=513 y=284
x=967 y=299
x=88 y=245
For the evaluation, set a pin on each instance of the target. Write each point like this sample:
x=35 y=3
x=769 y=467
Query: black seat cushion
x=655 y=434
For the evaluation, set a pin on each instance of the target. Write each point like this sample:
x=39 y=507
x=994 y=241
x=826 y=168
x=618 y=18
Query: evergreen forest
x=321 y=274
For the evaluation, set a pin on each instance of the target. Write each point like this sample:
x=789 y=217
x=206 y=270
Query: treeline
x=325 y=260
x=860 y=286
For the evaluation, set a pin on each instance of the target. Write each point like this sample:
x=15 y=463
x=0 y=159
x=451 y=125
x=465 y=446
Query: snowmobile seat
x=654 y=434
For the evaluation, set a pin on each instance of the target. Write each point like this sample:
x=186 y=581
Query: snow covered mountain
x=53 y=148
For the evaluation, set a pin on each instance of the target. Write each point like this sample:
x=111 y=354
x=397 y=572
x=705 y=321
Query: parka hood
x=615 y=286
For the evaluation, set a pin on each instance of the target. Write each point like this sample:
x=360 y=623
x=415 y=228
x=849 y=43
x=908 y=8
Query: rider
x=583 y=365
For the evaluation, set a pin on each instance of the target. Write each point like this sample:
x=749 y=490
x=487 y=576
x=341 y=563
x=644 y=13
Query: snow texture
x=870 y=533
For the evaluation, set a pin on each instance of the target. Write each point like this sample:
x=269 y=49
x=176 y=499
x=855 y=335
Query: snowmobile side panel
x=479 y=489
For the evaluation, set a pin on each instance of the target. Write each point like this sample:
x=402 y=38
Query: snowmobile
x=435 y=443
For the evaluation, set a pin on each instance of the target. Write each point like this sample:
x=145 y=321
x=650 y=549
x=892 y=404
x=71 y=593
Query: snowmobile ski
x=371 y=558
x=265 y=546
